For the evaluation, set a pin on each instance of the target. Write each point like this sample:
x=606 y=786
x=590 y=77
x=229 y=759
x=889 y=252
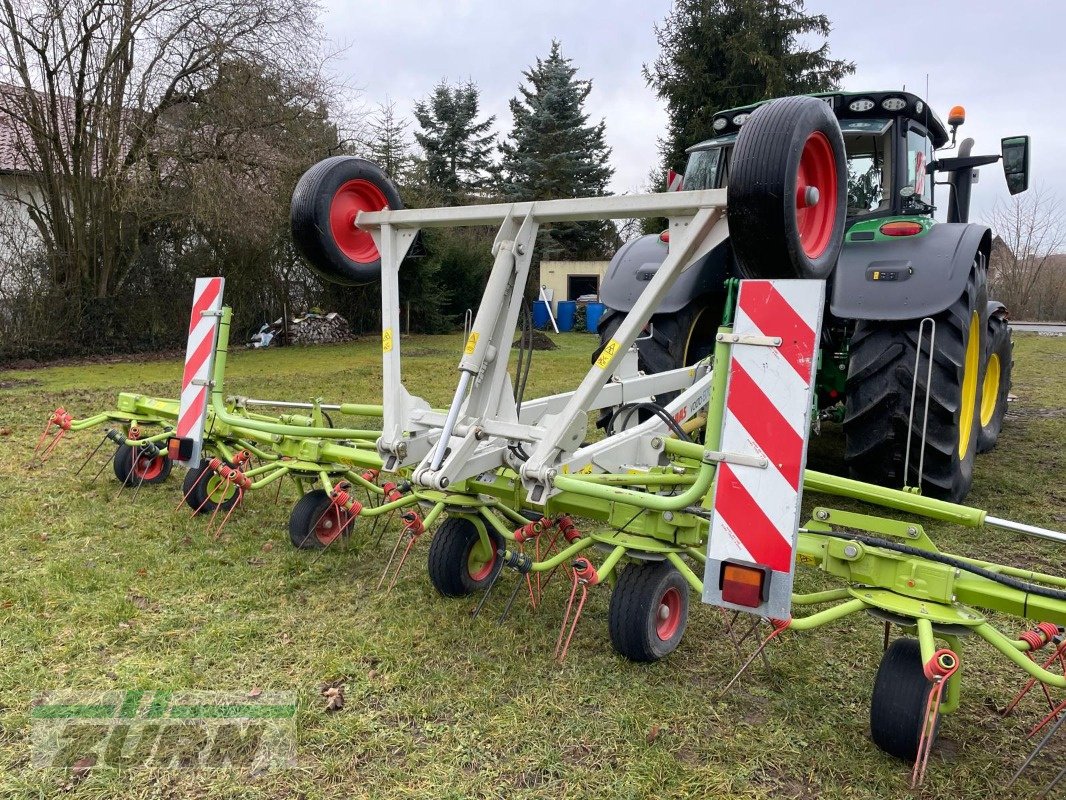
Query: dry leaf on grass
x=5 y=431
x=268 y=546
x=255 y=692
x=334 y=694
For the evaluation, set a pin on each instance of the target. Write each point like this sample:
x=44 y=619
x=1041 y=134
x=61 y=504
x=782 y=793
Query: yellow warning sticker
x=471 y=344
x=386 y=340
x=608 y=354
x=806 y=560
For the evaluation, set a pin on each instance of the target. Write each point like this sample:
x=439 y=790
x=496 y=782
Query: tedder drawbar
x=701 y=494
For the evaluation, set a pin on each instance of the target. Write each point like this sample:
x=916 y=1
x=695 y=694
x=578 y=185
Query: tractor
x=914 y=359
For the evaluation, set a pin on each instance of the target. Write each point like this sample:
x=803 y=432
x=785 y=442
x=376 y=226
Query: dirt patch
x=118 y=358
x=16 y=384
x=540 y=342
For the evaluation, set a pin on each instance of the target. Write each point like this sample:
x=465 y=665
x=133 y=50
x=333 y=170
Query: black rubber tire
x=1001 y=349
x=122 y=463
x=680 y=339
x=309 y=220
x=633 y=617
x=764 y=229
x=877 y=407
x=194 y=490
x=897 y=706
x=311 y=510
x=449 y=553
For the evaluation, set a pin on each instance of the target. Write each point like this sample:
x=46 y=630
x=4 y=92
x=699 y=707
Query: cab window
x=702 y=169
x=919 y=154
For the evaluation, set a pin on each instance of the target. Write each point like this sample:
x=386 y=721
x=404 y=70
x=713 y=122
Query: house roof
x=12 y=132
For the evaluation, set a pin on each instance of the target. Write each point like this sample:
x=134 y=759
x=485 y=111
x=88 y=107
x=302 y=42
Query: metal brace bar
x=761 y=341
x=717 y=456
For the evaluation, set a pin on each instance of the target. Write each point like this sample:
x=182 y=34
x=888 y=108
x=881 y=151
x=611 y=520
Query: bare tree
x=1032 y=231
x=111 y=102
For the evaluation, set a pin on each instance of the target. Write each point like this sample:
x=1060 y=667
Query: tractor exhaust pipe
x=961 y=183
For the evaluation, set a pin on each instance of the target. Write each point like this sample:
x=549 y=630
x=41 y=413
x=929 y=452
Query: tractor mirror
x=1016 y=163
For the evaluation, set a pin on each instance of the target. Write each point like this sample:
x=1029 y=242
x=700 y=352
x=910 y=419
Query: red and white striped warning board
x=199 y=361
x=767 y=418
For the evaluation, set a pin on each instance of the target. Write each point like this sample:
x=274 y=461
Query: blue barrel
x=593 y=312
x=564 y=313
x=540 y=314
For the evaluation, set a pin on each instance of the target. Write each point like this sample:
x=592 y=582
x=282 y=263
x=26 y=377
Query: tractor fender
x=908 y=277
x=637 y=261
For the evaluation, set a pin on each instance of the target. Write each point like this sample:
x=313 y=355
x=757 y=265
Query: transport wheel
x=204 y=493
x=786 y=195
x=877 y=408
x=458 y=561
x=648 y=610
x=325 y=203
x=675 y=340
x=132 y=470
x=995 y=385
x=897 y=706
x=315 y=523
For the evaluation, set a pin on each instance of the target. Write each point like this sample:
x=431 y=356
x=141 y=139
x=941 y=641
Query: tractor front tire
x=458 y=565
x=648 y=610
x=897 y=706
x=995 y=385
x=880 y=379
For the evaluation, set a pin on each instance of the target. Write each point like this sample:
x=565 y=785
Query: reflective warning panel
x=199 y=360
x=750 y=551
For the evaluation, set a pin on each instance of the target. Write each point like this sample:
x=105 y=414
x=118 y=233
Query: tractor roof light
x=956 y=116
x=863 y=104
x=740 y=119
x=743 y=585
x=720 y=123
x=901 y=228
x=893 y=104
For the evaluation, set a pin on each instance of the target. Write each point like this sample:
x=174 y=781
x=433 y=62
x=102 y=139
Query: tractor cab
x=890 y=140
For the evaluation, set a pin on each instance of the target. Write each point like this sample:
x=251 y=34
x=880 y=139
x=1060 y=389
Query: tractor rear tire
x=313 y=524
x=897 y=706
x=787 y=199
x=143 y=469
x=676 y=340
x=200 y=496
x=995 y=385
x=648 y=610
x=880 y=378
x=457 y=568
x=325 y=203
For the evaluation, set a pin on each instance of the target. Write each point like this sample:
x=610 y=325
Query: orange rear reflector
x=742 y=585
x=901 y=228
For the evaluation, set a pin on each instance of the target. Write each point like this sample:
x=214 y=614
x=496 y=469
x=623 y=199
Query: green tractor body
x=897 y=266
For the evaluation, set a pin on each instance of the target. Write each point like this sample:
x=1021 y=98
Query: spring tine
x=385 y=527
x=403 y=558
x=338 y=537
x=488 y=590
x=392 y=556
x=103 y=466
x=510 y=602
x=762 y=646
x=1055 y=711
x=185 y=497
x=126 y=480
x=224 y=485
x=40 y=439
x=1036 y=751
x=137 y=488
x=277 y=495
x=532 y=595
x=91 y=455
x=52 y=445
x=232 y=508
x=562 y=647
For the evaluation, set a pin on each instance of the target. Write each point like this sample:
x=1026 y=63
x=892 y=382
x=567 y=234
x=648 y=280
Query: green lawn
x=96 y=593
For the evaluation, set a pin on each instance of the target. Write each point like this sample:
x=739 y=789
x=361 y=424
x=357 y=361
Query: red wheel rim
x=818 y=171
x=668 y=614
x=351 y=198
x=478 y=569
x=146 y=468
x=330 y=525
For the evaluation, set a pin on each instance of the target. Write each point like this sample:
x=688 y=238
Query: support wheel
x=315 y=523
x=879 y=383
x=325 y=203
x=204 y=493
x=901 y=693
x=648 y=611
x=786 y=196
x=995 y=383
x=132 y=470
x=458 y=562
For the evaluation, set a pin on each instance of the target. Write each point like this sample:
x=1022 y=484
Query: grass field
x=96 y=593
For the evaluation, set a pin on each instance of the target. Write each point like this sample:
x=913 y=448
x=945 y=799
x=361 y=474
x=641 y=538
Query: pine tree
x=718 y=54
x=387 y=143
x=456 y=147
x=553 y=152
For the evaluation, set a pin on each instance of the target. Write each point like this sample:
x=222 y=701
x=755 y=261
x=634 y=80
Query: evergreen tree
x=456 y=147
x=554 y=153
x=718 y=54
x=387 y=143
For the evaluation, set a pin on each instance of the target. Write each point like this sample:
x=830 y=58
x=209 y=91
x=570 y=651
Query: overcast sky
x=1005 y=62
